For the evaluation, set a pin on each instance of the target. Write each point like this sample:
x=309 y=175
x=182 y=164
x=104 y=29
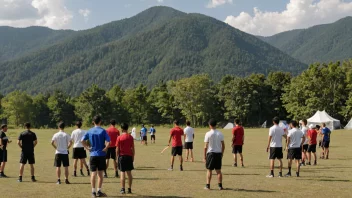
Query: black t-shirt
x=27 y=138
x=4 y=140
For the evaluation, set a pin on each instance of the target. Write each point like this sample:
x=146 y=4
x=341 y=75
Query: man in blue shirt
x=152 y=132
x=98 y=145
x=326 y=140
x=144 y=135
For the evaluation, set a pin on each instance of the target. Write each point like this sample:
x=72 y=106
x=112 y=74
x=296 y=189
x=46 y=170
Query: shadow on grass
x=239 y=174
x=151 y=196
x=149 y=169
x=330 y=180
x=251 y=191
x=146 y=178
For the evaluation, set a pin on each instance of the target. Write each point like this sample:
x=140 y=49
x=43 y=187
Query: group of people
x=143 y=135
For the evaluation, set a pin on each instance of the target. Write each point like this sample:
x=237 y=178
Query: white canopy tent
x=349 y=125
x=322 y=117
x=229 y=126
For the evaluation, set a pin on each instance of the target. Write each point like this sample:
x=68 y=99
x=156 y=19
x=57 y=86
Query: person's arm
x=53 y=144
x=70 y=143
x=205 y=151
x=288 y=142
x=107 y=142
x=243 y=140
x=184 y=137
x=169 y=140
x=117 y=148
x=269 y=140
x=303 y=140
x=19 y=143
x=223 y=147
x=84 y=141
x=233 y=137
x=133 y=151
x=35 y=140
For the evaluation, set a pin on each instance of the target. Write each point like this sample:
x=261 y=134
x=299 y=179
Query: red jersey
x=176 y=134
x=113 y=134
x=125 y=144
x=238 y=132
x=312 y=134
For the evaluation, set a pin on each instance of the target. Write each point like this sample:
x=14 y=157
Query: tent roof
x=321 y=116
x=229 y=126
x=330 y=116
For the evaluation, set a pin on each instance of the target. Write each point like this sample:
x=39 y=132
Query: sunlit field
x=331 y=178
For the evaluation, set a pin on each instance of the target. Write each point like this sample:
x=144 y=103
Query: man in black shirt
x=3 y=152
x=27 y=141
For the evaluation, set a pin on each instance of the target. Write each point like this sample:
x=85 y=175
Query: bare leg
x=241 y=159
x=315 y=157
x=66 y=172
x=209 y=174
x=100 y=179
x=2 y=168
x=107 y=164
x=58 y=172
x=181 y=159
x=187 y=153
x=192 y=159
x=309 y=157
x=172 y=161
x=272 y=163
x=81 y=163
x=130 y=179
x=280 y=164
x=22 y=169
x=92 y=179
x=297 y=165
x=75 y=164
x=218 y=172
x=326 y=153
x=235 y=157
x=122 y=179
x=32 y=169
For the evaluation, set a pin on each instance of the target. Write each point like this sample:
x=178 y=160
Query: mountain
x=322 y=43
x=158 y=44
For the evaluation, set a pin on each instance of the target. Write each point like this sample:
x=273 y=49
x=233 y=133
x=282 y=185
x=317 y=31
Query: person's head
x=124 y=127
x=152 y=126
x=237 y=121
x=324 y=125
x=212 y=123
x=4 y=127
x=276 y=120
x=176 y=123
x=113 y=122
x=317 y=127
x=188 y=123
x=61 y=125
x=304 y=122
x=142 y=125
x=27 y=125
x=78 y=124
x=97 y=120
x=311 y=126
x=293 y=124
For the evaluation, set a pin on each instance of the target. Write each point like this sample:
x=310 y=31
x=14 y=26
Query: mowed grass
x=331 y=178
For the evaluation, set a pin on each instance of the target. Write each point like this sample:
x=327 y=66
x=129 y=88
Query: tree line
x=254 y=99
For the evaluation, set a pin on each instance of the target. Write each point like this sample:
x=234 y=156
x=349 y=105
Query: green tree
x=118 y=111
x=136 y=103
x=42 y=111
x=61 y=108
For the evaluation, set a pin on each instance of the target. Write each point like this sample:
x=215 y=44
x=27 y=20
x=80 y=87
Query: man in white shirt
x=62 y=142
x=295 y=140
x=304 y=129
x=213 y=151
x=275 y=145
x=188 y=139
x=79 y=153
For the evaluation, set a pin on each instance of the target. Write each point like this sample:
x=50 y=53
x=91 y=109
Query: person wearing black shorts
x=62 y=142
x=176 y=134
x=113 y=133
x=27 y=141
x=237 y=141
x=3 y=151
x=189 y=139
x=152 y=132
x=312 y=147
x=295 y=140
x=213 y=152
x=79 y=153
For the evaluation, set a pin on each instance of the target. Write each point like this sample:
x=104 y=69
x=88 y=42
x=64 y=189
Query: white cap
x=311 y=126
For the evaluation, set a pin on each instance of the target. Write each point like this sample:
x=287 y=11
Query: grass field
x=331 y=178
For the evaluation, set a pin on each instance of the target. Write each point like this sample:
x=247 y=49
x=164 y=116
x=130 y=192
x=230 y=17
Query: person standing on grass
x=152 y=134
x=79 y=153
x=295 y=140
x=321 y=136
x=3 y=151
x=27 y=141
x=125 y=152
x=312 y=147
x=213 y=152
x=326 y=140
x=144 y=139
x=175 y=135
x=276 y=133
x=62 y=142
x=305 y=144
x=188 y=139
x=237 y=141
x=113 y=133
x=99 y=142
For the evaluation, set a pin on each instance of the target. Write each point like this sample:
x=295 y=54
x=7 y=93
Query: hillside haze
x=322 y=43
x=158 y=44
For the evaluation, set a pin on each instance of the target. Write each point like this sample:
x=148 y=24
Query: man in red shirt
x=312 y=144
x=237 y=141
x=113 y=134
x=175 y=135
x=125 y=151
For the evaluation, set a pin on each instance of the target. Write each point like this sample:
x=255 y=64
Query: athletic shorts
x=144 y=138
x=214 y=161
x=111 y=153
x=61 y=159
x=125 y=163
x=276 y=153
x=326 y=144
x=152 y=137
x=27 y=157
x=188 y=145
x=320 y=143
x=79 y=153
x=176 y=151
x=237 y=149
x=97 y=163
x=312 y=148
x=3 y=155
x=305 y=147
x=294 y=153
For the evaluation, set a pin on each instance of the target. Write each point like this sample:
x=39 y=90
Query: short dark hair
x=124 y=126
x=212 y=122
x=79 y=124
x=305 y=121
x=27 y=125
x=113 y=122
x=61 y=125
x=324 y=125
x=142 y=125
x=3 y=126
x=294 y=123
x=188 y=123
x=177 y=122
x=96 y=119
x=317 y=127
x=152 y=125
x=237 y=121
x=276 y=120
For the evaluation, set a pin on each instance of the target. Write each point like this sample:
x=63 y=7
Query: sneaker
x=116 y=174
x=122 y=191
x=280 y=176
x=235 y=165
x=242 y=166
x=67 y=182
x=129 y=191
x=297 y=174
x=309 y=164
x=270 y=176
x=288 y=175
x=19 y=180
x=74 y=174
x=58 y=182
x=221 y=188
x=101 y=194
x=3 y=176
x=170 y=169
x=105 y=176
x=33 y=179
x=94 y=194
x=82 y=174
x=206 y=188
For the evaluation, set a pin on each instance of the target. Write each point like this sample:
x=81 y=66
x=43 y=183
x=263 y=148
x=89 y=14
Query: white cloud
x=23 y=13
x=216 y=3
x=85 y=13
x=298 y=14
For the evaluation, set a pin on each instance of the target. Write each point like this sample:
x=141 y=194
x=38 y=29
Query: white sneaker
x=170 y=169
x=270 y=176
